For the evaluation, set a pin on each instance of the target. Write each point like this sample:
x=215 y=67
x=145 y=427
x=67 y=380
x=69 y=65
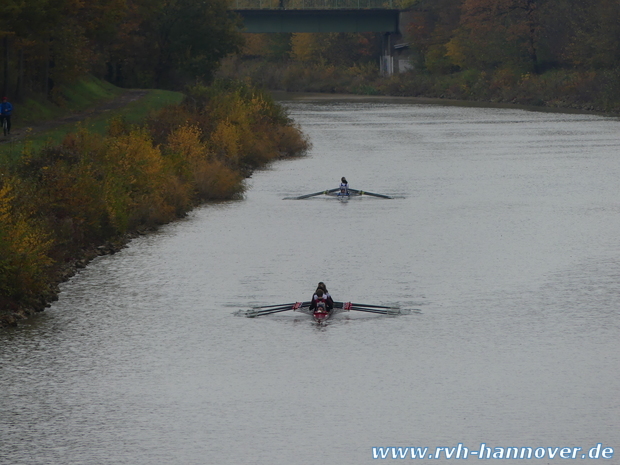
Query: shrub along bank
x=66 y=204
x=578 y=89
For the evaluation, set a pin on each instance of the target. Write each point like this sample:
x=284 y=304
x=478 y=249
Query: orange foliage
x=304 y=46
x=93 y=188
x=24 y=247
x=255 y=44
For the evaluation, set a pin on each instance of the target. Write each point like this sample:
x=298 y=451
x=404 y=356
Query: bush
x=92 y=188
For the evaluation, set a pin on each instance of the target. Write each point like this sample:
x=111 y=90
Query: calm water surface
x=505 y=239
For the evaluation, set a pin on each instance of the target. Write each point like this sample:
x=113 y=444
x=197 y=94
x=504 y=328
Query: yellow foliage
x=186 y=141
x=31 y=243
x=304 y=46
x=292 y=142
x=117 y=126
x=215 y=181
x=255 y=44
x=92 y=188
x=134 y=158
x=456 y=52
x=225 y=142
x=24 y=248
x=504 y=78
x=135 y=174
x=6 y=198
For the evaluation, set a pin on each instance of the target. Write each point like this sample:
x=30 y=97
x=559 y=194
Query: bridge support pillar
x=386 y=64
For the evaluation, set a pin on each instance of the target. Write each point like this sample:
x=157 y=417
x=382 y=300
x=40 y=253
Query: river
x=502 y=241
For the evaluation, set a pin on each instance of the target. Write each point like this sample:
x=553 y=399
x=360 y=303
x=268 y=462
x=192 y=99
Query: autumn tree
x=497 y=33
x=336 y=48
x=131 y=42
x=593 y=38
x=431 y=25
x=48 y=41
x=166 y=43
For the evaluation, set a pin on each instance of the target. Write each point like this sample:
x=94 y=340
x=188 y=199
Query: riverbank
x=283 y=96
x=89 y=195
x=566 y=90
x=14 y=310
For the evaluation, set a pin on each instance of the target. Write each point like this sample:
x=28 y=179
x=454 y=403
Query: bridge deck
x=312 y=4
x=354 y=20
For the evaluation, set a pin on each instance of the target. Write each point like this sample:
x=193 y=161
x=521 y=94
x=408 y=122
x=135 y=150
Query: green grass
x=89 y=93
x=137 y=111
x=134 y=113
x=79 y=96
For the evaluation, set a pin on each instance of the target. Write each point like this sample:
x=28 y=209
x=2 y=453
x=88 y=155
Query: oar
x=338 y=306
x=380 y=312
x=381 y=196
x=274 y=306
x=251 y=314
x=358 y=192
x=392 y=311
x=268 y=311
x=307 y=196
x=371 y=306
x=259 y=311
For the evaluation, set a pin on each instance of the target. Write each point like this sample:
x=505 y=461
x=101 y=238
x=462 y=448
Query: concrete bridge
x=272 y=16
x=318 y=15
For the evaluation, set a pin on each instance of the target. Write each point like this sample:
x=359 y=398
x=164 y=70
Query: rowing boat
x=336 y=193
x=319 y=314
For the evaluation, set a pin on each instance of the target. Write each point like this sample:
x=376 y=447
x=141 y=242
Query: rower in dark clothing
x=322 y=297
x=322 y=286
x=344 y=186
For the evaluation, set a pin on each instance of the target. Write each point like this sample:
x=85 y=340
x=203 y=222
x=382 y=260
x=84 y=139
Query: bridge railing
x=312 y=4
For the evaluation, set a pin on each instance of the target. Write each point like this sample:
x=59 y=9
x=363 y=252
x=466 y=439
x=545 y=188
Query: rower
x=322 y=286
x=344 y=186
x=330 y=301
x=320 y=299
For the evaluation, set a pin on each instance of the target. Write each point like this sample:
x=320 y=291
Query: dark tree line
x=161 y=43
x=523 y=35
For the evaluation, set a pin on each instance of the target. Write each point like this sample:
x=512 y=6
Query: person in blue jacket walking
x=6 y=109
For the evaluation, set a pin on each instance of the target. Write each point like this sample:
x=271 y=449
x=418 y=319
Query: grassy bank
x=67 y=203
x=83 y=94
x=92 y=111
x=591 y=90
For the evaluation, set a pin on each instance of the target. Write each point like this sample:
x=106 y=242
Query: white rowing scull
x=336 y=193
